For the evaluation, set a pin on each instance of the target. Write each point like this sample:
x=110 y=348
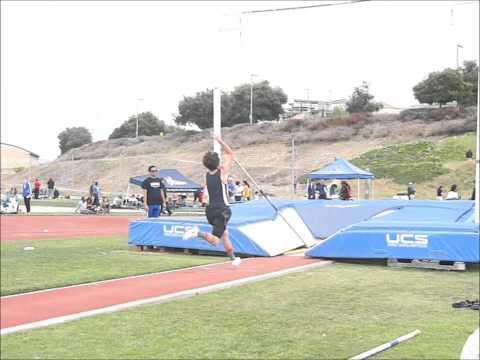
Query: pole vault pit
x=255 y=228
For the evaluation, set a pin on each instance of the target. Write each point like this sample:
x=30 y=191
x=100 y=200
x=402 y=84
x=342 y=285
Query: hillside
x=265 y=150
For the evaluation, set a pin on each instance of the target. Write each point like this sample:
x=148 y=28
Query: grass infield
x=328 y=313
x=56 y=263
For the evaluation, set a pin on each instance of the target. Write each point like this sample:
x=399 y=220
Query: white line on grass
x=161 y=299
x=116 y=279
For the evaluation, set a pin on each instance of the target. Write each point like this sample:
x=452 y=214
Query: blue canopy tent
x=174 y=181
x=342 y=169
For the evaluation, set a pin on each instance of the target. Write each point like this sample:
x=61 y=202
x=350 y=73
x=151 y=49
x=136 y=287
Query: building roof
x=21 y=148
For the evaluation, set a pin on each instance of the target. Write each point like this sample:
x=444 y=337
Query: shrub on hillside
x=433 y=114
x=452 y=127
x=315 y=124
x=291 y=124
x=340 y=133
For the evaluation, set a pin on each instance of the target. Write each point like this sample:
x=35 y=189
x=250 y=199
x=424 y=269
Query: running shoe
x=236 y=261
x=191 y=233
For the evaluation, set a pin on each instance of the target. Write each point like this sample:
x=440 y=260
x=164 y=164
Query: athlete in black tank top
x=216 y=189
x=218 y=212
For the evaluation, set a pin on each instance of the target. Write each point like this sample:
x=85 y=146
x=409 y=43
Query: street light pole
x=458 y=62
x=308 y=99
x=136 y=130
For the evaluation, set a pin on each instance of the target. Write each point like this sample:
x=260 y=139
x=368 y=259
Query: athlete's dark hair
x=211 y=160
x=151 y=167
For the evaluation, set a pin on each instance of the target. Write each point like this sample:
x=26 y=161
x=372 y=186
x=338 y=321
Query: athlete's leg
x=228 y=244
x=212 y=239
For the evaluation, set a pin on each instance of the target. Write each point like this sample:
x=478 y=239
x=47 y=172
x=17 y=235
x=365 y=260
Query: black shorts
x=218 y=217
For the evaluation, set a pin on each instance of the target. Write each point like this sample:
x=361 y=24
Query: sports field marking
x=112 y=280
x=162 y=298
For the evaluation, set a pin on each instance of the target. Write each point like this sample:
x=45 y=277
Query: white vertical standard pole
x=477 y=169
x=217 y=119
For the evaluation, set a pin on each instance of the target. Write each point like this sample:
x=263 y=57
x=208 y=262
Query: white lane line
x=162 y=298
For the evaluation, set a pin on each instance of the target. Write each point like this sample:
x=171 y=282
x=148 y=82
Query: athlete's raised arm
x=230 y=155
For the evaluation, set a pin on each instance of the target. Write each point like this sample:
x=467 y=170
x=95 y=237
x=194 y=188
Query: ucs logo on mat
x=175 y=230
x=407 y=240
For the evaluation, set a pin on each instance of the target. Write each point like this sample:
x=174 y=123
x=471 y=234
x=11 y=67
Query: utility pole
x=72 y=167
x=136 y=131
x=294 y=190
x=308 y=99
x=251 y=98
x=458 y=58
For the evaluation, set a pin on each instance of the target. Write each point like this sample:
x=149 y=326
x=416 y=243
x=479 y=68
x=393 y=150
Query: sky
x=95 y=64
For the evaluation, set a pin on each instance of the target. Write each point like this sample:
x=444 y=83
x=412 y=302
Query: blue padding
x=167 y=232
x=362 y=227
x=433 y=230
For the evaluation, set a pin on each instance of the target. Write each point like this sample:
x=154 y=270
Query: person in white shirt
x=82 y=207
x=238 y=191
x=453 y=193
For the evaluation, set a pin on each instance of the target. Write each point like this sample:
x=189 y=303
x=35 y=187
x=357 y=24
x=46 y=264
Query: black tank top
x=217 y=190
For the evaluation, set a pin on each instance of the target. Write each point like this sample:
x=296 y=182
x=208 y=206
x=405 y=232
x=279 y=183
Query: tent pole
x=358 y=188
x=308 y=186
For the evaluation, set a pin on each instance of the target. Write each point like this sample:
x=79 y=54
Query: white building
x=322 y=107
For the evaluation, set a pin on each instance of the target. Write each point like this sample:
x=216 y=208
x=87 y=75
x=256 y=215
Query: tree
x=470 y=77
x=148 y=125
x=441 y=87
x=361 y=101
x=198 y=109
x=267 y=103
x=74 y=137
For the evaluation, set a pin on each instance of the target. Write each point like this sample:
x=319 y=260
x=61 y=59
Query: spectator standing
x=96 y=194
x=238 y=191
x=247 y=191
x=345 y=191
x=36 y=187
x=440 y=193
x=27 y=194
x=311 y=191
x=90 y=190
x=165 y=206
x=453 y=193
x=231 y=189
x=153 y=192
x=469 y=154
x=333 y=191
x=322 y=191
x=51 y=187
x=196 y=196
x=411 y=191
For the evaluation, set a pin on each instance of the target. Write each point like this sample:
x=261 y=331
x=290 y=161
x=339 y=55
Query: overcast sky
x=67 y=64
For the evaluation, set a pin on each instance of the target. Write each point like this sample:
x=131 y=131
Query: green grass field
x=418 y=162
x=332 y=312
x=56 y=263
x=52 y=203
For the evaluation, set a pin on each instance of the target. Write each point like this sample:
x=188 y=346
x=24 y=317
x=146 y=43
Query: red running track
x=55 y=303
x=55 y=227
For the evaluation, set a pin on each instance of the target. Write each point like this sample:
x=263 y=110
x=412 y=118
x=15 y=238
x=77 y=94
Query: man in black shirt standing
x=153 y=192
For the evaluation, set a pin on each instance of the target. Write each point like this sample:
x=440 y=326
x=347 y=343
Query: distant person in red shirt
x=36 y=188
